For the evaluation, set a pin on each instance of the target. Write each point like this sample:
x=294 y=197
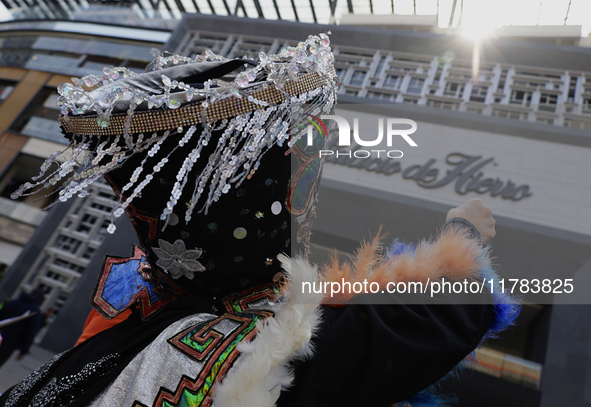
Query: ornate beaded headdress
x=256 y=107
x=208 y=157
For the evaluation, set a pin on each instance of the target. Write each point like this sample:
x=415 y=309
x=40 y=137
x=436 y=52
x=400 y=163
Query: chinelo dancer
x=210 y=161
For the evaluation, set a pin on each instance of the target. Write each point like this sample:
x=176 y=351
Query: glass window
x=358 y=78
x=548 y=102
x=520 y=97
x=37 y=108
x=478 y=93
x=101 y=207
x=454 y=89
x=392 y=82
x=107 y=195
x=68 y=265
x=51 y=102
x=56 y=276
x=67 y=244
x=380 y=66
x=88 y=253
x=6 y=89
x=86 y=223
x=415 y=85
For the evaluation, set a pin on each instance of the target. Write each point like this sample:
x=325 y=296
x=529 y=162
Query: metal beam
x=567 y=11
x=46 y=11
x=453 y=12
x=259 y=9
x=144 y=12
x=295 y=11
x=196 y=6
x=392 y=3
x=239 y=4
x=58 y=11
x=333 y=6
x=371 y=6
x=211 y=7
x=76 y=2
x=180 y=6
x=277 y=9
x=350 y=5
x=51 y=7
x=167 y=5
x=313 y=11
x=42 y=12
x=155 y=4
x=227 y=7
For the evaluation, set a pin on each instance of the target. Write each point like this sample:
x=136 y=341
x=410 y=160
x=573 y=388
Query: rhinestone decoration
x=259 y=215
x=177 y=260
x=240 y=233
x=58 y=392
x=23 y=389
x=63 y=391
x=268 y=262
x=262 y=107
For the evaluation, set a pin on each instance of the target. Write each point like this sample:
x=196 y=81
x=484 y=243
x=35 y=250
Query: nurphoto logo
x=390 y=127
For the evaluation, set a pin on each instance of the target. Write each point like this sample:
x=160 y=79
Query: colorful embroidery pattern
x=242 y=301
x=218 y=350
x=127 y=280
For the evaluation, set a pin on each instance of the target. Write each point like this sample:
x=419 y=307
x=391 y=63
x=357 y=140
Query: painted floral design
x=177 y=260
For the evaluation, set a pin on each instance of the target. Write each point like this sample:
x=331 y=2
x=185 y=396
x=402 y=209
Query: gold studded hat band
x=195 y=113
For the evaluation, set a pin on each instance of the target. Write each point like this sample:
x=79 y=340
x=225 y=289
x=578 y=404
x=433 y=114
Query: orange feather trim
x=452 y=255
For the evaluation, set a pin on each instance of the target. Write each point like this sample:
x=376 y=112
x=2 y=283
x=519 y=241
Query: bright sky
x=492 y=13
x=478 y=14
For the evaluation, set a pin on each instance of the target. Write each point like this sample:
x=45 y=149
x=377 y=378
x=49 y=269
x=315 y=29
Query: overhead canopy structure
x=445 y=13
x=316 y=11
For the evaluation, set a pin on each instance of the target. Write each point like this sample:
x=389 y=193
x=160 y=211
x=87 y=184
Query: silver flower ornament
x=177 y=260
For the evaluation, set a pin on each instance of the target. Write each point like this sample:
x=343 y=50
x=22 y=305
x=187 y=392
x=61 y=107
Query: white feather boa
x=262 y=370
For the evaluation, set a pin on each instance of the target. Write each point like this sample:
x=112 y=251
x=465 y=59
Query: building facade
x=512 y=127
x=35 y=57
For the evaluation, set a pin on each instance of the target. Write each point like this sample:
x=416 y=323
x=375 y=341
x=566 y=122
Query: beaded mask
x=208 y=157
